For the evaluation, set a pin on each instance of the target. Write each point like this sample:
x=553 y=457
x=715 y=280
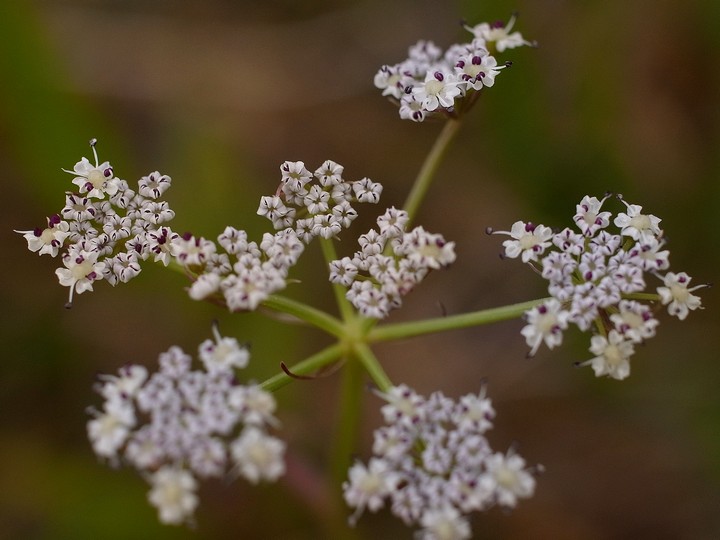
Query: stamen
x=93 y=142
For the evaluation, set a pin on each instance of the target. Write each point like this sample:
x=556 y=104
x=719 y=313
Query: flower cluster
x=105 y=228
x=241 y=273
x=389 y=264
x=429 y=81
x=597 y=280
x=434 y=465
x=180 y=423
x=316 y=204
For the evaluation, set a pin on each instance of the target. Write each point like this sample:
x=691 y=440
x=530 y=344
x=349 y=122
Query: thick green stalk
x=306 y=313
x=348 y=420
x=487 y=316
x=373 y=367
x=429 y=168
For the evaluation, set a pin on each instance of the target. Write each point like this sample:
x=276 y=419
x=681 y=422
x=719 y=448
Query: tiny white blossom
x=677 y=296
x=95 y=180
x=438 y=90
x=222 y=354
x=512 y=480
x=588 y=216
x=329 y=173
x=205 y=285
x=367 y=191
x=634 y=320
x=258 y=456
x=109 y=430
x=545 y=324
x=153 y=185
x=528 y=241
x=49 y=240
x=81 y=270
x=444 y=523
x=637 y=225
x=173 y=494
x=500 y=34
x=612 y=355
x=368 y=486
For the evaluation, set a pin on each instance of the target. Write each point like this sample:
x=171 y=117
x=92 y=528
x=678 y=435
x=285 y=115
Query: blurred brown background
x=620 y=96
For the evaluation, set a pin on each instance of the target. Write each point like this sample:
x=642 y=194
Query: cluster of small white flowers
x=106 y=238
x=389 y=264
x=434 y=465
x=429 y=81
x=242 y=274
x=179 y=424
x=316 y=204
x=597 y=280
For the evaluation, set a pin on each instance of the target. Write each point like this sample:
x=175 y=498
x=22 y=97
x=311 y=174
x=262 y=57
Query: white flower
x=636 y=225
x=343 y=271
x=81 y=270
x=295 y=175
x=131 y=378
x=48 y=240
x=588 y=216
x=499 y=34
x=275 y=210
x=204 y=286
x=329 y=173
x=389 y=80
x=367 y=191
x=258 y=456
x=316 y=201
x=256 y=405
x=635 y=321
x=427 y=249
x=512 y=480
x=438 y=90
x=95 y=180
x=153 y=185
x=529 y=241
x=392 y=223
x=173 y=494
x=676 y=295
x=545 y=323
x=109 y=430
x=223 y=354
x=368 y=486
x=411 y=108
x=477 y=69
x=192 y=251
x=613 y=355
x=475 y=412
x=444 y=523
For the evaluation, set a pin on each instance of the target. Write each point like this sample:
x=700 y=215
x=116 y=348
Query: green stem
x=452 y=322
x=308 y=366
x=373 y=367
x=429 y=168
x=348 y=421
x=309 y=314
x=346 y=310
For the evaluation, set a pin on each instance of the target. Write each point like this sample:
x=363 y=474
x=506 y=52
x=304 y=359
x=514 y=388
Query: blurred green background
x=620 y=96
